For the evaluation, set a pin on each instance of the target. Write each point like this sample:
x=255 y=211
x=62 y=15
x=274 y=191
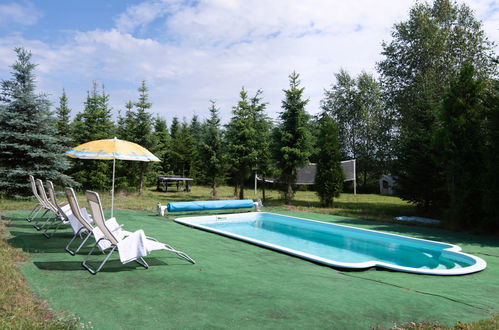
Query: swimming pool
x=340 y=246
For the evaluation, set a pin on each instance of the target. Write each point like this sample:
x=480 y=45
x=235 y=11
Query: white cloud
x=24 y=13
x=211 y=48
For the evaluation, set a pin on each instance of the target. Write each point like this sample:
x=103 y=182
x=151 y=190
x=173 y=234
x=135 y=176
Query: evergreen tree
x=143 y=132
x=176 y=155
x=93 y=123
x=62 y=122
x=137 y=126
x=212 y=155
x=491 y=160
x=423 y=58
x=196 y=131
x=329 y=177
x=243 y=140
x=263 y=126
x=28 y=141
x=293 y=139
x=162 y=150
x=182 y=146
x=460 y=139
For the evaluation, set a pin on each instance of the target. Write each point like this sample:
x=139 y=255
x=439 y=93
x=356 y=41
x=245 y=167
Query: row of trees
x=430 y=120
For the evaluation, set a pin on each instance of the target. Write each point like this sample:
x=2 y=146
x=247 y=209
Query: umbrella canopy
x=112 y=149
x=108 y=149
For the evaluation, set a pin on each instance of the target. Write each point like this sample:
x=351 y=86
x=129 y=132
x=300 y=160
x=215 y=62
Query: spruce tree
x=329 y=177
x=242 y=138
x=211 y=152
x=162 y=150
x=93 y=123
x=28 y=141
x=143 y=132
x=62 y=122
x=293 y=139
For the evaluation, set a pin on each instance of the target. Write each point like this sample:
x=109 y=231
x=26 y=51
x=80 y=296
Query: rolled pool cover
x=209 y=205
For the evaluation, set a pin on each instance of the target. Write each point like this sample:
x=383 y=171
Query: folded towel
x=133 y=247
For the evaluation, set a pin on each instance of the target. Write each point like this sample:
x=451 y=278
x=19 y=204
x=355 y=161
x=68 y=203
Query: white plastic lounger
x=131 y=247
x=41 y=204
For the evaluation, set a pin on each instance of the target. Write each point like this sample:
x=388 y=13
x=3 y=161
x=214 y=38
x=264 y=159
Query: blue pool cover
x=209 y=205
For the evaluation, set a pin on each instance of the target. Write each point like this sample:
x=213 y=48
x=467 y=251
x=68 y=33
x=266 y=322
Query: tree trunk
x=241 y=187
x=263 y=189
x=289 y=194
x=141 y=178
x=236 y=189
x=213 y=189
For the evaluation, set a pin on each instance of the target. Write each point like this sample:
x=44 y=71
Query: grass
x=19 y=308
x=31 y=312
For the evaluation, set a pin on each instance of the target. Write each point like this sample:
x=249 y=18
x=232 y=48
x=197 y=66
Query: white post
x=354 y=177
x=255 y=184
x=112 y=190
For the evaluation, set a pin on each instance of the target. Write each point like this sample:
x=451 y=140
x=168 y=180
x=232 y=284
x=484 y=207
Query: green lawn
x=238 y=285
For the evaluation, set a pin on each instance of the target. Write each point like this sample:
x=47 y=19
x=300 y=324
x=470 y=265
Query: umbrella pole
x=112 y=191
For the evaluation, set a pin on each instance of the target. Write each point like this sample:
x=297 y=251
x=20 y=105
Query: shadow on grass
x=112 y=266
x=37 y=243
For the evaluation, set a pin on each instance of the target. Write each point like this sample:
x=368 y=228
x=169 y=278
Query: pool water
x=341 y=246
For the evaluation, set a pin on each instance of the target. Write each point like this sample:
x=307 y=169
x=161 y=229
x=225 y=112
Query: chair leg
x=142 y=262
x=49 y=219
x=40 y=218
x=71 y=252
x=90 y=269
x=34 y=212
x=83 y=242
x=46 y=234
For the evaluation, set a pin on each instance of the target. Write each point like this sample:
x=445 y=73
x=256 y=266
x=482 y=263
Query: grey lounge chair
x=41 y=204
x=85 y=222
x=48 y=204
x=115 y=241
x=62 y=211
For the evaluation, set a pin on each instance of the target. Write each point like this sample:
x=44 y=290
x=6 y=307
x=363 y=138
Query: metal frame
x=113 y=248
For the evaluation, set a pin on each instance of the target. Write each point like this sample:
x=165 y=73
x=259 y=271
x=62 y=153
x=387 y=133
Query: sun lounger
x=48 y=204
x=62 y=211
x=131 y=247
x=83 y=225
x=41 y=204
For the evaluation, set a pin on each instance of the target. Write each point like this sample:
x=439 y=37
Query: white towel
x=86 y=216
x=75 y=224
x=114 y=228
x=133 y=247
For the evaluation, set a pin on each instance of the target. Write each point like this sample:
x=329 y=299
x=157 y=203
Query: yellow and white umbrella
x=108 y=149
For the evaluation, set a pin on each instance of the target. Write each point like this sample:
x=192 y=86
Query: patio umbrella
x=108 y=149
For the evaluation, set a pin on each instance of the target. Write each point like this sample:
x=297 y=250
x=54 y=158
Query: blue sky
x=190 y=52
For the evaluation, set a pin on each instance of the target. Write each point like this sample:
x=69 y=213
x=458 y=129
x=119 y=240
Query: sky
x=192 y=51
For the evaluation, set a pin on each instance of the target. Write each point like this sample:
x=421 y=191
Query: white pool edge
x=479 y=265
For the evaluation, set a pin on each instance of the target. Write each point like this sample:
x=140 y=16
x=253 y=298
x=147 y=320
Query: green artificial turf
x=239 y=285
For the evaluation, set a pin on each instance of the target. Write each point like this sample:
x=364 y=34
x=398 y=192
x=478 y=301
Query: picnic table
x=169 y=180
